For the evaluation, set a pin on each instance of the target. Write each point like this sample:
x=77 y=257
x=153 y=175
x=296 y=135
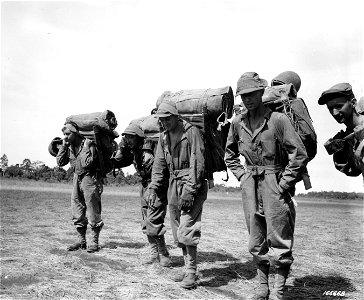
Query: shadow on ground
x=114 y=245
x=313 y=287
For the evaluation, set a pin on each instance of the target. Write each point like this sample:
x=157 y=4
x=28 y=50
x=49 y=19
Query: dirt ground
x=36 y=229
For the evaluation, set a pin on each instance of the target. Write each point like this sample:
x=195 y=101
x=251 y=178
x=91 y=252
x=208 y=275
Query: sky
x=63 y=58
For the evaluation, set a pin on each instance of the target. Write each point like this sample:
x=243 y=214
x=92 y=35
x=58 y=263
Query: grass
x=36 y=228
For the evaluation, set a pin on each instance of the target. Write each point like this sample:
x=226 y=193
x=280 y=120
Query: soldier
x=143 y=150
x=274 y=160
x=81 y=153
x=287 y=77
x=346 y=146
x=180 y=152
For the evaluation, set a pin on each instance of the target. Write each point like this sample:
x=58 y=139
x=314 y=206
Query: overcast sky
x=65 y=58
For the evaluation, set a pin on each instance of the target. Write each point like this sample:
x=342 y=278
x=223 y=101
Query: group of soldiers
x=173 y=177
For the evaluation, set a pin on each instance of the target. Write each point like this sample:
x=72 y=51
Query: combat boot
x=178 y=277
x=81 y=244
x=94 y=247
x=164 y=257
x=189 y=281
x=279 y=282
x=153 y=251
x=263 y=290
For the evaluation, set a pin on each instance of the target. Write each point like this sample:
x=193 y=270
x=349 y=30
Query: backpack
x=283 y=99
x=99 y=127
x=151 y=127
x=208 y=110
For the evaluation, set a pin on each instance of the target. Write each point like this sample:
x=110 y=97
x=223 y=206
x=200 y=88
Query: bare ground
x=36 y=228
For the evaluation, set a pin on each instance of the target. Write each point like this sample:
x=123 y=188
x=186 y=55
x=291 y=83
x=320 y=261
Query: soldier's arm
x=63 y=155
x=197 y=165
x=88 y=154
x=232 y=153
x=297 y=155
x=159 y=169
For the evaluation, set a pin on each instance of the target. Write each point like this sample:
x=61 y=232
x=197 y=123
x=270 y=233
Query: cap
x=340 y=89
x=134 y=129
x=250 y=82
x=166 y=109
x=53 y=146
x=71 y=127
x=287 y=77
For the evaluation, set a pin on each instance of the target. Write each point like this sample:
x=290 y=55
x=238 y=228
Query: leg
x=92 y=189
x=80 y=221
x=153 y=257
x=280 y=215
x=189 y=233
x=256 y=223
x=155 y=228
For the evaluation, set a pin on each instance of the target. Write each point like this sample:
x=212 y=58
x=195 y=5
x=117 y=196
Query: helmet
x=53 y=146
x=287 y=77
x=360 y=106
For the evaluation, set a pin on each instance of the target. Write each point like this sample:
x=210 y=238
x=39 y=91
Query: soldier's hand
x=148 y=159
x=186 y=205
x=359 y=132
x=152 y=196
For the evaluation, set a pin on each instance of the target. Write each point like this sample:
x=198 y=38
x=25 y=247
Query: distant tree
x=59 y=174
x=14 y=171
x=27 y=168
x=3 y=164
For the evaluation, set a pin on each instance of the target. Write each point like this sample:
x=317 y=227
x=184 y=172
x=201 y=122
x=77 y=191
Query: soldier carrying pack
x=283 y=98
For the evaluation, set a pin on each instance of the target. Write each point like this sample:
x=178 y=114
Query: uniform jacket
x=350 y=160
x=184 y=164
x=82 y=162
x=274 y=144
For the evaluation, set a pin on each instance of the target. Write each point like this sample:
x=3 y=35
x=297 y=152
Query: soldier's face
x=170 y=122
x=341 y=109
x=69 y=136
x=131 y=140
x=252 y=100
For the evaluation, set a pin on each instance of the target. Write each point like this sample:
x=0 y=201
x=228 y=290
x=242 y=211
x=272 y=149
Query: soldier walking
x=81 y=153
x=180 y=153
x=143 y=150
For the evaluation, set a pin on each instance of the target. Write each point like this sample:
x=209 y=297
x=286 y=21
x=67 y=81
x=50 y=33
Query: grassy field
x=36 y=228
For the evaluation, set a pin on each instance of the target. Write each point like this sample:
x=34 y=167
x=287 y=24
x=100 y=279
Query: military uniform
x=187 y=189
x=152 y=219
x=87 y=189
x=275 y=158
x=346 y=146
x=269 y=171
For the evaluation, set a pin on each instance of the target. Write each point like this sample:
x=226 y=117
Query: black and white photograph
x=195 y=149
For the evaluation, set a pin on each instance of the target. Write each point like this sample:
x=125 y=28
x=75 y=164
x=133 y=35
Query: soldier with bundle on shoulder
x=275 y=158
x=347 y=147
x=142 y=152
x=83 y=157
x=180 y=154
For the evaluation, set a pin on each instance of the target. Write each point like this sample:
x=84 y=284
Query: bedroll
x=99 y=127
x=209 y=110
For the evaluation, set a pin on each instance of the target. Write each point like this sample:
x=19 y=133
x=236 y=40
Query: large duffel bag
x=99 y=127
x=211 y=102
x=209 y=110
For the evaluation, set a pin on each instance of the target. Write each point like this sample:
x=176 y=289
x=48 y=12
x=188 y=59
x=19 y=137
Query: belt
x=176 y=174
x=262 y=170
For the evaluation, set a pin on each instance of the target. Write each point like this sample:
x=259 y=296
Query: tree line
x=37 y=170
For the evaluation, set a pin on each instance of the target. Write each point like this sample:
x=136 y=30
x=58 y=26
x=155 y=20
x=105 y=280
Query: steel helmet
x=287 y=77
